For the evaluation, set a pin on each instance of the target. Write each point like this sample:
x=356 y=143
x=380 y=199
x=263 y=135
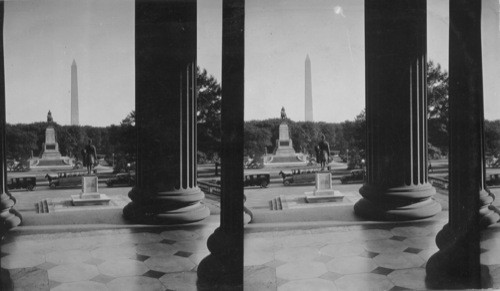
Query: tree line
x=117 y=143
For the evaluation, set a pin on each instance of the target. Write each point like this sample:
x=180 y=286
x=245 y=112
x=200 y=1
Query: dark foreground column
x=397 y=186
x=165 y=53
x=457 y=264
x=9 y=217
x=223 y=268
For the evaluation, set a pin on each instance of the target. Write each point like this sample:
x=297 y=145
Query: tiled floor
x=138 y=259
x=340 y=258
x=369 y=257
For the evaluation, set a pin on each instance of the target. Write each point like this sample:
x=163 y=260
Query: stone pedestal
x=9 y=217
x=397 y=186
x=90 y=193
x=284 y=143
x=323 y=191
x=51 y=147
x=167 y=191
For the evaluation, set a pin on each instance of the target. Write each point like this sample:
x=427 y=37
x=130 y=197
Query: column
x=223 y=268
x=9 y=217
x=457 y=264
x=165 y=61
x=397 y=186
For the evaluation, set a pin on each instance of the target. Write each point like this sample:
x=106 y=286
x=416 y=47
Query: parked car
x=299 y=176
x=65 y=179
x=125 y=179
x=28 y=183
x=356 y=176
x=494 y=180
x=259 y=179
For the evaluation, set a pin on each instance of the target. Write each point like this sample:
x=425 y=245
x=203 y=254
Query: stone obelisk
x=308 y=91
x=74 y=95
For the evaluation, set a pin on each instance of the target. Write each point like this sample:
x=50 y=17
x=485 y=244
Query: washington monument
x=308 y=91
x=74 y=95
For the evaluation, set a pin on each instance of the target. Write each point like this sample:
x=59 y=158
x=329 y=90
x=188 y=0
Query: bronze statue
x=49 y=117
x=89 y=156
x=323 y=152
x=283 y=114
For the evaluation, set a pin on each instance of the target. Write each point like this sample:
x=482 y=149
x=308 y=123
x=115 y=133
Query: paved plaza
x=387 y=257
x=301 y=247
x=119 y=259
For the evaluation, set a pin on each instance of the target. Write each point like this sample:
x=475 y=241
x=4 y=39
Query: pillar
x=397 y=186
x=165 y=61
x=9 y=217
x=457 y=264
x=223 y=268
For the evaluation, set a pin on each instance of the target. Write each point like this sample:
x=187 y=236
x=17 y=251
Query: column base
x=9 y=217
x=488 y=213
x=172 y=207
x=387 y=211
x=247 y=215
x=223 y=268
x=450 y=267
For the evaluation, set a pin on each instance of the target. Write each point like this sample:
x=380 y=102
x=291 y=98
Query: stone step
x=42 y=206
x=276 y=204
x=279 y=205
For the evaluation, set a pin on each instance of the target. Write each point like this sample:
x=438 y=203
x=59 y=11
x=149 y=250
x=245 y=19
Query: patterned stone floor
x=124 y=259
x=490 y=254
x=369 y=257
x=340 y=258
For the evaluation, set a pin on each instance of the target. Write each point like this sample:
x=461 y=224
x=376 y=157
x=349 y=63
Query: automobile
x=299 y=176
x=126 y=179
x=494 y=180
x=27 y=182
x=259 y=179
x=356 y=176
x=65 y=179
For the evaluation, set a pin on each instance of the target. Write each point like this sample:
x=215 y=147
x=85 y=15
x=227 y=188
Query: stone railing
x=210 y=187
x=439 y=182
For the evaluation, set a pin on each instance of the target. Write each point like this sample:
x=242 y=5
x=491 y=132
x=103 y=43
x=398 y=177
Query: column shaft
x=457 y=261
x=223 y=268
x=166 y=190
x=397 y=184
x=9 y=217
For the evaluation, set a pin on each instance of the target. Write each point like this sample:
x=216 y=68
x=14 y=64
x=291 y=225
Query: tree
x=130 y=119
x=354 y=140
x=256 y=140
x=438 y=106
x=208 y=114
x=492 y=139
x=20 y=142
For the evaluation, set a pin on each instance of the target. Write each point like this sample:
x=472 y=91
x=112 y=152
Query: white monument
x=323 y=191
x=50 y=158
x=50 y=147
x=284 y=143
x=90 y=193
x=284 y=152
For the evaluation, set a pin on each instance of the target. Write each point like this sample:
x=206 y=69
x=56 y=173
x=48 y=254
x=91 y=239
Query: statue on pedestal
x=283 y=114
x=89 y=154
x=49 y=117
x=323 y=152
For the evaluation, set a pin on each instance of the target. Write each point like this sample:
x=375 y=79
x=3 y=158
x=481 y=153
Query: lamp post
x=347 y=158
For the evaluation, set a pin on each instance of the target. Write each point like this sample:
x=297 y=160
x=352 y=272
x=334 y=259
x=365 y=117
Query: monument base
x=90 y=199
x=323 y=192
x=324 y=196
x=90 y=194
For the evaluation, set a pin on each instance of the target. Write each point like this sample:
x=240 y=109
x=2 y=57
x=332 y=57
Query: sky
x=43 y=37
